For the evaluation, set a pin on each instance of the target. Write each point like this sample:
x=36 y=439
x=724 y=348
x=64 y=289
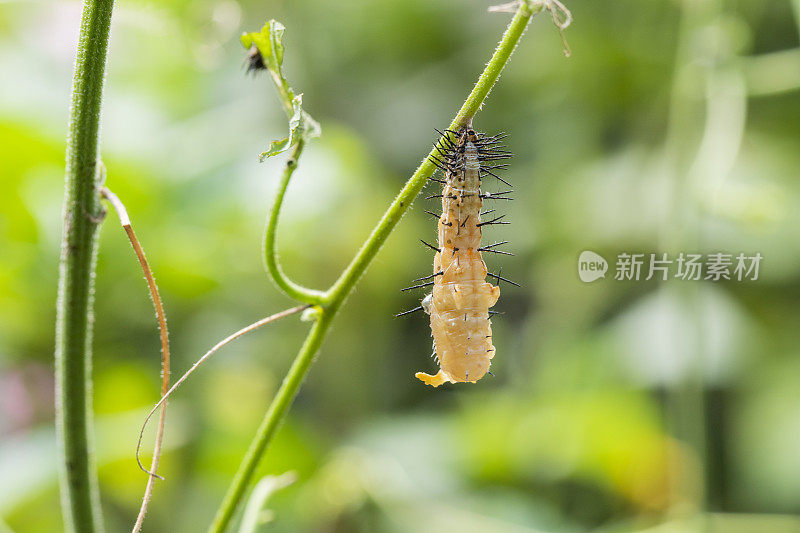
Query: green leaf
x=275 y=148
x=269 y=42
x=301 y=126
x=276 y=30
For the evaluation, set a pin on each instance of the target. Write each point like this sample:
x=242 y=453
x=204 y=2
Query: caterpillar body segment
x=461 y=297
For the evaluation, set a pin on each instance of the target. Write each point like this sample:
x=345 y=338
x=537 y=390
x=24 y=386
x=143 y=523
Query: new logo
x=591 y=266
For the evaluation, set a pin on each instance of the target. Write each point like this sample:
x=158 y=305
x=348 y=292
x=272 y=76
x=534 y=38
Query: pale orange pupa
x=461 y=297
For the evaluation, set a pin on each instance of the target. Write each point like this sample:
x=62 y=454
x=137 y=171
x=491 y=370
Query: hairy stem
x=163 y=331
x=73 y=354
x=331 y=300
x=291 y=288
x=414 y=185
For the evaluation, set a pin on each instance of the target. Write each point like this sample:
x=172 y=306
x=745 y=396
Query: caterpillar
x=461 y=297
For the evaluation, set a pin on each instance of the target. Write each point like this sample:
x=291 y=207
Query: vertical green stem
x=686 y=404
x=79 y=494
x=796 y=10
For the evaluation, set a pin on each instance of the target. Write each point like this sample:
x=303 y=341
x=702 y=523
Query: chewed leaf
x=269 y=42
x=276 y=40
x=275 y=148
x=301 y=122
x=301 y=126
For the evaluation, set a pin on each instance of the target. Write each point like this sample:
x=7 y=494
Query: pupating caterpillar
x=461 y=297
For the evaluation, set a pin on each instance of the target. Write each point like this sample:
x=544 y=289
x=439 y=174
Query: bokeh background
x=616 y=406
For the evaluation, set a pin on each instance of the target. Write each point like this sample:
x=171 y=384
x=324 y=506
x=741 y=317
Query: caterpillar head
x=468 y=135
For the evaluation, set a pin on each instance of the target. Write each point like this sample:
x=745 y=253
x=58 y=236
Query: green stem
x=796 y=10
x=73 y=357
x=331 y=300
x=275 y=414
x=291 y=288
x=414 y=185
x=689 y=115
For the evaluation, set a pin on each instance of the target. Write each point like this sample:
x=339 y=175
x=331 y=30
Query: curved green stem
x=79 y=495
x=292 y=289
x=330 y=301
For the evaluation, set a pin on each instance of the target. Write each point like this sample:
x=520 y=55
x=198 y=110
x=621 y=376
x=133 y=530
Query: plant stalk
x=414 y=185
x=291 y=288
x=272 y=420
x=82 y=213
x=331 y=300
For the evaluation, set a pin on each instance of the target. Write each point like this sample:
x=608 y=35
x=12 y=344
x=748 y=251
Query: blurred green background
x=616 y=406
